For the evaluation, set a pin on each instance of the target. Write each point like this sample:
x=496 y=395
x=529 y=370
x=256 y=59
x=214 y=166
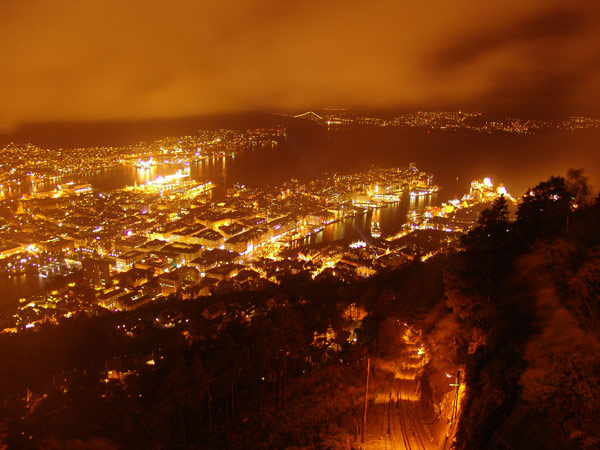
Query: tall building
x=96 y=272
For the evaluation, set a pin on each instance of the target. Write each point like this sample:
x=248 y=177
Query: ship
x=422 y=191
x=375 y=229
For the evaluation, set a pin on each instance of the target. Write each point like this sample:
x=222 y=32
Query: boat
x=423 y=191
x=375 y=229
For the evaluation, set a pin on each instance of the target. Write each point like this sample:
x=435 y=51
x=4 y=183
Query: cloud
x=543 y=63
x=547 y=28
x=113 y=60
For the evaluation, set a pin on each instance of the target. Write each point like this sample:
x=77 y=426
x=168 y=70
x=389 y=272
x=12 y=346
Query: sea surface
x=454 y=157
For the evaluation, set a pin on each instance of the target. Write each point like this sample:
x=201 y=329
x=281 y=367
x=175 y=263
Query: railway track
x=413 y=423
x=403 y=423
x=405 y=432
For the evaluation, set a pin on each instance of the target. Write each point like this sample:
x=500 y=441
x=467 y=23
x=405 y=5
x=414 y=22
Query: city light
x=212 y=234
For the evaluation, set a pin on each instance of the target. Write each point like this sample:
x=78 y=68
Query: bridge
x=310 y=115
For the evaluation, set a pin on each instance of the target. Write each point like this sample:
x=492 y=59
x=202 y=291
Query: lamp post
x=455 y=400
x=365 y=407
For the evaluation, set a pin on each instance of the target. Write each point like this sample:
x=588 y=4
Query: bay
x=455 y=158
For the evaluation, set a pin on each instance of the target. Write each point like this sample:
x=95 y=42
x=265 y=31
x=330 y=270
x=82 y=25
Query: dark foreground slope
x=516 y=315
x=525 y=310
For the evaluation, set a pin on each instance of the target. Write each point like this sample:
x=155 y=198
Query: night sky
x=128 y=60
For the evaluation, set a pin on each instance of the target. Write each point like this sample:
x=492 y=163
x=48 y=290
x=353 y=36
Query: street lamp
x=455 y=401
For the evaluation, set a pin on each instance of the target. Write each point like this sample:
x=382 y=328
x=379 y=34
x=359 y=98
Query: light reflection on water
x=390 y=218
x=252 y=167
x=20 y=286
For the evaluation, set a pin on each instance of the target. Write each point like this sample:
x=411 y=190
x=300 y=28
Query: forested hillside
x=514 y=316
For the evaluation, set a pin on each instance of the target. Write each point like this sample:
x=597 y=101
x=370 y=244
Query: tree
x=578 y=186
x=545 y=209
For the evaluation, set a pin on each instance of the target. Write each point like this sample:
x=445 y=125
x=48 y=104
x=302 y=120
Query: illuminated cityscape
x=39 y=167
x=299 y=225
x=171 y=223
x=169 y=248
x=447 y=121
x=123 y=249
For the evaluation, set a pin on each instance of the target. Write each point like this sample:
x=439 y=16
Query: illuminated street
x=334 y=225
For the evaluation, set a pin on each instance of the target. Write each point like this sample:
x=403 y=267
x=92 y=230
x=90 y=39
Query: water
x=243 y=168
x=456 y=158
x=391 y=218
x=20 y=286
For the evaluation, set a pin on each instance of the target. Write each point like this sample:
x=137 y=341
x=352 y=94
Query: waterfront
x=320 y=155
x=455 y=158
x=15 y=287
x=391 y=217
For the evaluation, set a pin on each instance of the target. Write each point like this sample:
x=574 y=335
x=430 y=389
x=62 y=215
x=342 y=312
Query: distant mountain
x=116 y=133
